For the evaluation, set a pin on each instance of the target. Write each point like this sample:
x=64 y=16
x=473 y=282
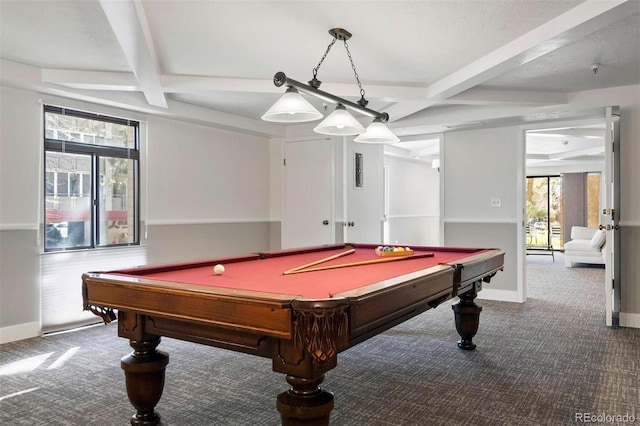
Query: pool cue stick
x=363 y=262
x=317 y=262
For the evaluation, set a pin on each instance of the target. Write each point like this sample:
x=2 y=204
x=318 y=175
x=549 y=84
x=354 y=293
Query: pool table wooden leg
x=305 y=402
x=320 y=330
x=144 y=373
x=467 y=315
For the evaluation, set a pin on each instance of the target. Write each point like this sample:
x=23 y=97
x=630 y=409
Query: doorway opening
x=564 y=188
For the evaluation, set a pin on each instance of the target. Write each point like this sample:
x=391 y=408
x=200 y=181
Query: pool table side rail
x=303 y=250
x=159 y=284
x=232 y=309
x=156 y=269
x=477 y=268
x=396 y=300
x=383 y=305
x=208 y=334
x=467 y=250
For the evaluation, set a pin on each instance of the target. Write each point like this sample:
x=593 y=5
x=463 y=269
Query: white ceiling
x=433 y=65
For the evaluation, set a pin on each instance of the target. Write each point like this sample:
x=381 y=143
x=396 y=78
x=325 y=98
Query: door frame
x=522 y=272
x=610 y=216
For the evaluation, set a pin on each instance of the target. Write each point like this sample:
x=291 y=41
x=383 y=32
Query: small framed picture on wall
x=359 y=170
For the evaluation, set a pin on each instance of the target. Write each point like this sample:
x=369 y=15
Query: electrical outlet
x=496 y=202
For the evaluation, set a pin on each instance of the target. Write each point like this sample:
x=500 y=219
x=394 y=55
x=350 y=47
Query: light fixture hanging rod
x=281 y=79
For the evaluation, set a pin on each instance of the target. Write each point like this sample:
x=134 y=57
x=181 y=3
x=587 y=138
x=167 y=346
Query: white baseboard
x=19 y=332
x=498 y=295
x=629 y=320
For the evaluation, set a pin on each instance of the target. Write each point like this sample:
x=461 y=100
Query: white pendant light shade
x=339 y=123
x=292 y=108
x=377 y=132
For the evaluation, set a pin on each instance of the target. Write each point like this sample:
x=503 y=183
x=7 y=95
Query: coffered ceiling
x=433 y=65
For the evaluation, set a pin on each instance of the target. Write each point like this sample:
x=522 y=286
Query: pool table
x=301 y=320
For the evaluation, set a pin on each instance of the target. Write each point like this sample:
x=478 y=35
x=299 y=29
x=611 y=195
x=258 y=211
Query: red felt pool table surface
x=265 y=274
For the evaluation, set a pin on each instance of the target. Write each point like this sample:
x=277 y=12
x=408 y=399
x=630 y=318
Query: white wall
x=478 y=166
x=276 y=170
x=205 y=192
x=628 y=98
x=414 y=202
x=482 y=164
x=630 y=211
x=20 y=156
x=20 y=177
x=199 y=174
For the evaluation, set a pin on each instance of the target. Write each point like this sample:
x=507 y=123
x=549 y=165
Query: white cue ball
x=218 y=269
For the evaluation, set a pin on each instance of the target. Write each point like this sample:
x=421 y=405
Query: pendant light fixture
x=339 y=123
x=291 y=109
x=377 y=132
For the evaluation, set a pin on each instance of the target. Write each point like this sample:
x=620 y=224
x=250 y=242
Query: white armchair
x=585 y=246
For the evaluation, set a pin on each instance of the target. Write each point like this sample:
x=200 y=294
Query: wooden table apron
x=302 y=335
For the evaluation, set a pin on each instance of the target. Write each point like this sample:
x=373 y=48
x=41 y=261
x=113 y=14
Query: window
x=593 y=200
x=91 y=180
x=545 y=212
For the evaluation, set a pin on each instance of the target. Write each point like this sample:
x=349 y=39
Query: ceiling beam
x=558 y=32
x=561 y=133
x=105 y=80
x=91 y=80
x=26 y=77
x=129 y=24
x=196 y=84
x=442 y=119
x=477 y=96
x=122 y=81
x=597 y=150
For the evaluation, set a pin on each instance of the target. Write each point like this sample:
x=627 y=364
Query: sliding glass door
x=545 y=212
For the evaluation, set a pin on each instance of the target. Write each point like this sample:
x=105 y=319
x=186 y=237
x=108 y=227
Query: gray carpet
x=537 y=363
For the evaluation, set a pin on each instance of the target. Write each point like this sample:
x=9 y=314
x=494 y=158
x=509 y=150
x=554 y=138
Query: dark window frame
x=548 y=178
x=96 y=152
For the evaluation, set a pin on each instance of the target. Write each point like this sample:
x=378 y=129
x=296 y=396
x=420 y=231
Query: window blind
x=62 y=282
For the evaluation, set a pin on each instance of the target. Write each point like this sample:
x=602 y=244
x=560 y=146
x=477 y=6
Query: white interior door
x=364 y=188
x=610 y=216
x=308 y=207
